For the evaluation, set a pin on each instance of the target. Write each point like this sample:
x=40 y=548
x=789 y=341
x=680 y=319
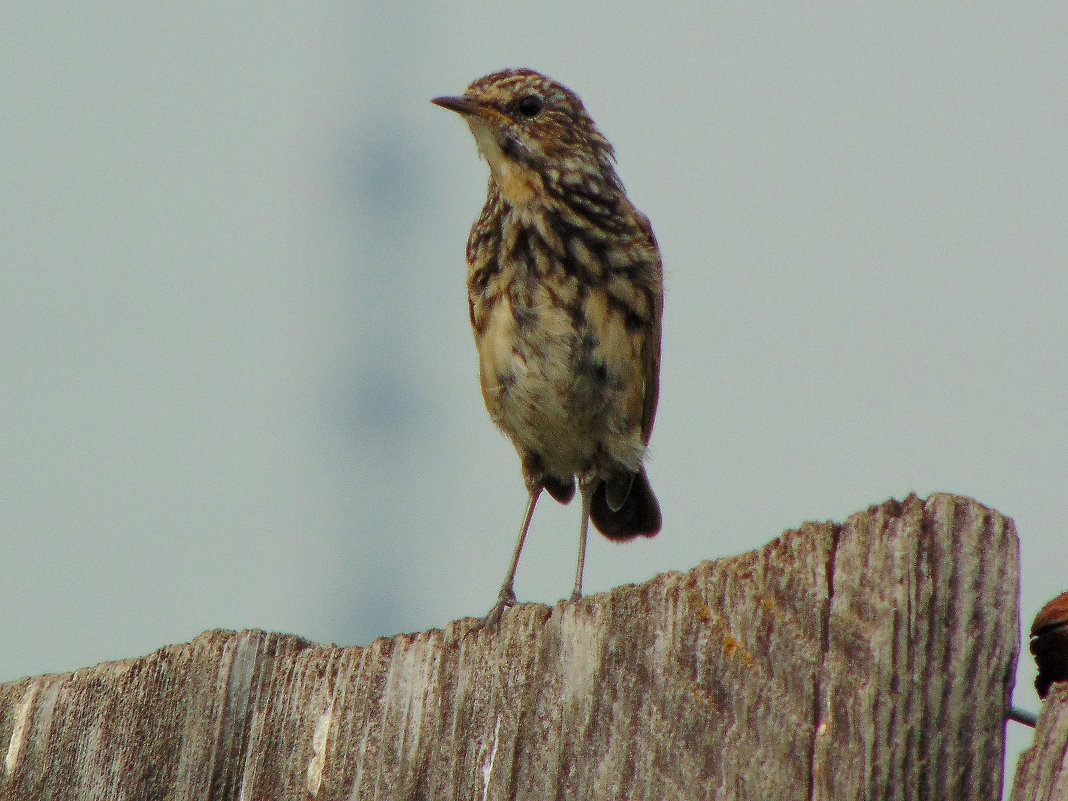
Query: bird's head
x=528 y=128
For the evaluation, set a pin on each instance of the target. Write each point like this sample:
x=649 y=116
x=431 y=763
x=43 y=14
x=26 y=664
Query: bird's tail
x=638 y=515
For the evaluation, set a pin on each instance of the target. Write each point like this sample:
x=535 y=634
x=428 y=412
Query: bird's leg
x=586 y=488
x=506 y=597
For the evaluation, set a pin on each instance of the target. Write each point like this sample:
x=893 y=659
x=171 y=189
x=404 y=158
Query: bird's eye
x=530 y=105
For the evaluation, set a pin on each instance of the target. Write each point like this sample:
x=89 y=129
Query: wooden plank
x=871 y=659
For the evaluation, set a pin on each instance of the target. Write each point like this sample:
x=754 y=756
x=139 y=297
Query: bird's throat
x=516 y=182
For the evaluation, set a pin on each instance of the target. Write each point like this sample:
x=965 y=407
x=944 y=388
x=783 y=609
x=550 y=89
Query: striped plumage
x=566 y=296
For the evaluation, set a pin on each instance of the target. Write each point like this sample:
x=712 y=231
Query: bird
x=565 y=297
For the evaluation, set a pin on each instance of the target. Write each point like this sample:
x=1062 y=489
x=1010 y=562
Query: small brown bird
x=565 y=290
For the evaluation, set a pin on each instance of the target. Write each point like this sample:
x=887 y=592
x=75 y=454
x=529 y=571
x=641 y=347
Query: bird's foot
x=505 y=600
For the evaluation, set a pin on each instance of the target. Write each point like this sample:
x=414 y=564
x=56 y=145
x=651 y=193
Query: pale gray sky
x=237 y=385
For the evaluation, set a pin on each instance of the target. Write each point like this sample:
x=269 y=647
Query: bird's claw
x=505 y=600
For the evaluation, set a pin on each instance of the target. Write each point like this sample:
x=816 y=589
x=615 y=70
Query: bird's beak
x=461 y=105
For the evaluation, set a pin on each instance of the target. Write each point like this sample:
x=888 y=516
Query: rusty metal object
x=1049 y=643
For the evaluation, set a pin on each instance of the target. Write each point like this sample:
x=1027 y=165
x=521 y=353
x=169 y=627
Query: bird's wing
x=655 y=279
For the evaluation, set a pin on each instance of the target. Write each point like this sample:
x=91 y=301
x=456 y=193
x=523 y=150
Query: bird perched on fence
x=565 y=290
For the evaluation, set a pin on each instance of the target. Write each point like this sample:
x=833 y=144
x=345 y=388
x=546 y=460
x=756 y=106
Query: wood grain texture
x=1042 y=770
x=866 y=660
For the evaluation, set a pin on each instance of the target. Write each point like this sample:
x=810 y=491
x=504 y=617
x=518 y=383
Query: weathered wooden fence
x=866 y=660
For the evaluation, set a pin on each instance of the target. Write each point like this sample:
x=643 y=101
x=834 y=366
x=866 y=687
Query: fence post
x=871 y=659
